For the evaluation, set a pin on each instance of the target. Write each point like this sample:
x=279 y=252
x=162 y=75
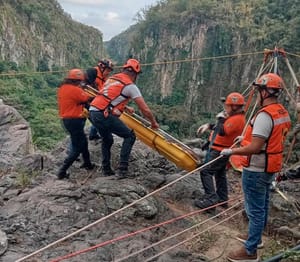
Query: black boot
x=62 y=174
x=107 y=171
x=122 y=172
x=205 y=203
x=88 y=166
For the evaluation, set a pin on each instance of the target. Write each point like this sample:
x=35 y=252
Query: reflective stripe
x=282 y=120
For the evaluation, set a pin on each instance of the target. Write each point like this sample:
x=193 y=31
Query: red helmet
x=134 y=65
x=235 y=99
x=105 y=63
x=75 y=74
x=270 y=80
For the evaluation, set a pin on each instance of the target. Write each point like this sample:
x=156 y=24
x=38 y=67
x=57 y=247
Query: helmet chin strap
x=262 y=98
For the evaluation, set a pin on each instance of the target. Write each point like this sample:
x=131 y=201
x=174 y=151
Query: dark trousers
x=215 y=171
x=107 y=126
x=79 y=144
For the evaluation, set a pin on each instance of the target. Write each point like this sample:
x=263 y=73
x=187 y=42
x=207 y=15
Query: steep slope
x=36 y=209
x=217 y=45
x=39 y=34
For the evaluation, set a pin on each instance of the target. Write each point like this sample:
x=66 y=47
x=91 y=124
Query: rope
x=145 y=64
x=196 y=235
x=291 y=54
x=117 y=211
x=111 y=241
x=181 y=232
x=154 y=192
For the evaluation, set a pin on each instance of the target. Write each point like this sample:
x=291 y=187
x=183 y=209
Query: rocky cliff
x=39 y=34
x=90 y=215
x=197 y=51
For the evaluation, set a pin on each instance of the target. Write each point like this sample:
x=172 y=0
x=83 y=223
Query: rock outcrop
x=15 y=138
x=36 y=209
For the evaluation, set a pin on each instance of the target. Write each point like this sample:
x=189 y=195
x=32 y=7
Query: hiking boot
x=243 y=237
x=107 y=171
x=62 y=174
x=122 y=172
x=241 y=255
x=204 y=203
x=225 y=205
x=87 y=166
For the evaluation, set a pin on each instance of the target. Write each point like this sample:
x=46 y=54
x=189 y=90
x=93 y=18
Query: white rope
x=196 y=235
x=116 y=212
x=179 y=233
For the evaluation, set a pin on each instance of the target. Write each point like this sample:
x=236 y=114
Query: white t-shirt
x=131 y=91
x=262 y=127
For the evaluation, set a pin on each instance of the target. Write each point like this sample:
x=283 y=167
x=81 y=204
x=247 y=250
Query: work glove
x=238 y=139
x=203 y=129
x=222 y=114
x=226 y=152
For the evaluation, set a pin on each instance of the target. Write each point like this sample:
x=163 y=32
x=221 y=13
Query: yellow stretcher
x=178 y=153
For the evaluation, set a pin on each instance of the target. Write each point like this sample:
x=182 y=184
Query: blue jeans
x=256 y=187
x=93 y=131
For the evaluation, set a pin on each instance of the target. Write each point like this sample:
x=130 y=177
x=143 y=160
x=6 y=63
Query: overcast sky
x=111 y=17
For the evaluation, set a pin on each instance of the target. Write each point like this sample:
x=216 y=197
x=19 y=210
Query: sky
x=111 y=17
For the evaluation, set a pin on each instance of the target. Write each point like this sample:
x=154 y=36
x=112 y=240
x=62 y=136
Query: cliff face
x=193 y=53
x=39 y=33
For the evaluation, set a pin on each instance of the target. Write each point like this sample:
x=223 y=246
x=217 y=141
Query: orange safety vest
x=100 y=80
x=233 y=127
x=71 y=100
x=275 y=142
x=111 y=90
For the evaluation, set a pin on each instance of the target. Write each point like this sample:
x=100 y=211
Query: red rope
x=138 y=232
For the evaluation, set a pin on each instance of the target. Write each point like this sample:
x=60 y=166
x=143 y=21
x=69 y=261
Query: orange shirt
x=71 y=100
x=233 y=127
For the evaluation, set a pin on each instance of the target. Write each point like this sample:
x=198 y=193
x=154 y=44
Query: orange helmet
x=75 y=74
x=105 y=63
x=134 y=65
x=235 y=99
x=270 y=80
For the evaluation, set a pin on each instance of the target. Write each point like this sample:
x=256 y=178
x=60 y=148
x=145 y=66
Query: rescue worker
x=96 y=76
x=71 y=104
x=106 y=108
x=262 y=147
x=230 y=124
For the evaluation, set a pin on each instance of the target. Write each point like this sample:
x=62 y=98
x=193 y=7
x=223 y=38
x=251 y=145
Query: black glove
x=205 y=146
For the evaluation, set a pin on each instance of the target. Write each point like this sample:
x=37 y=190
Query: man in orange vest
x=230 y=124
x=71 y=104
x=96 y=77
x=106 y=108
x=263 y=146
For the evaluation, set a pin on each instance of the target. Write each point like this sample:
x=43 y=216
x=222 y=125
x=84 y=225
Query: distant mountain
x=39 y=34
x=197 y=51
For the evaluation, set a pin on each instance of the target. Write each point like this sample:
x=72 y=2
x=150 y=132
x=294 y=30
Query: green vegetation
x=39 y=43
x=34 y=96
x=168 y=31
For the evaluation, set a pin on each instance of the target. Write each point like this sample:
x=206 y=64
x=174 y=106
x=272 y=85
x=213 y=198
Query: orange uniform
x=233 y=127
x=275 y=142
x=111 y=90
x=71 y=100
